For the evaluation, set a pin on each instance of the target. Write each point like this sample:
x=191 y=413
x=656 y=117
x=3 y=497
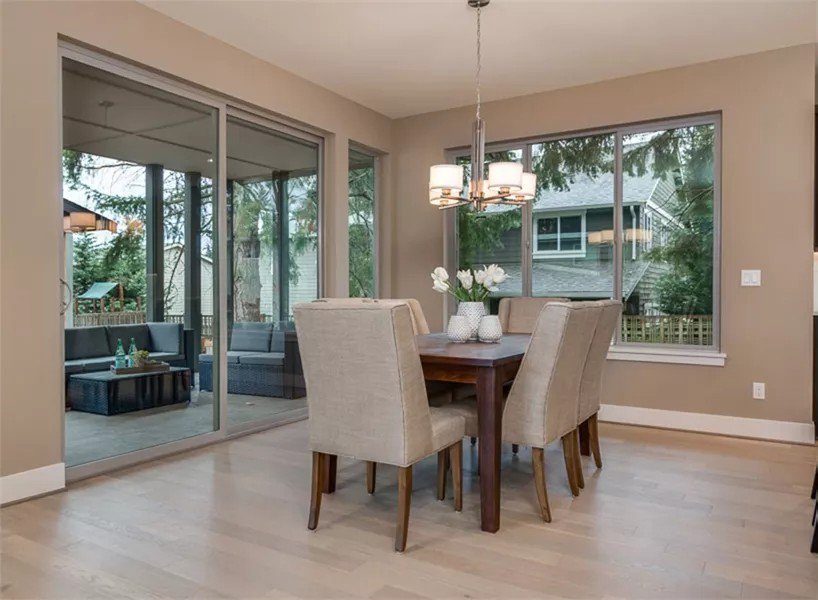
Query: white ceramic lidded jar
x=473 y=311
x=490 y=330
x=459 y=329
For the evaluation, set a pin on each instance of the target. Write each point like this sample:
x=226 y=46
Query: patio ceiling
x=119 y=119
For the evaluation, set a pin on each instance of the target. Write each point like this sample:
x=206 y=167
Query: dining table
x=489 y=366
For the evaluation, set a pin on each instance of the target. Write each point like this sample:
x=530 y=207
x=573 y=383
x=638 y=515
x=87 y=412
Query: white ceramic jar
x=459 y=329
x=490 y=330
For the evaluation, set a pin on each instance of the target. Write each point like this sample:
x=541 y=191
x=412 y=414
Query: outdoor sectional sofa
x=262 y=360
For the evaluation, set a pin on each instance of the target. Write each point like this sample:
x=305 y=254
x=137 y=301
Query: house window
x=629 y=212
x=362 y=227
x=559 y=235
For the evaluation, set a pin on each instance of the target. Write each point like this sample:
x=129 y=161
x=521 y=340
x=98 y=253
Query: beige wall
x=767 y=103
x=30 y=217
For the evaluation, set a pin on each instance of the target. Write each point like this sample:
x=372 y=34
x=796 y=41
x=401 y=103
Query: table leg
x=490 y=417
x=330 y=472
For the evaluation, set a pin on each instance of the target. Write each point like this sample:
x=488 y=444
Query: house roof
x=589 y=192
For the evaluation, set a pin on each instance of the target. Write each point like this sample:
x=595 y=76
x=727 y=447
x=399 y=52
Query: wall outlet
x=759 y=391
x=750 y=277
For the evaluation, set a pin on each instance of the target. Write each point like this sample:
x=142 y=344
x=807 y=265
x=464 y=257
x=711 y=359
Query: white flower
x=440 y=274
x=499 y=275
x=480 y=276
x=440 y=286
x=466 y=279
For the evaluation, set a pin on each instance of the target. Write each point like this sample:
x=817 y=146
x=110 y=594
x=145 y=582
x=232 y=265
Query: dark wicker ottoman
x=104 y=393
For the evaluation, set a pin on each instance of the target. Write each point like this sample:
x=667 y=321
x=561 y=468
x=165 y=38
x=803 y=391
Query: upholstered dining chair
x=542 y=403
x=367 y=399
x=590 y=385
x=519 y=315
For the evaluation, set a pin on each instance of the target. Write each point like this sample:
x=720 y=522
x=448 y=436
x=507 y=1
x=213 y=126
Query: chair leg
x=456 y=462
x=568 y=452
x=317 y=488
x=584 y=439
x=538 y=464
x=473 y=441
x=814 y=484
x=593 y=436
x=578 y=461
x=371 y=469
x=404 y=502
x=441 y=475
x=515 y=448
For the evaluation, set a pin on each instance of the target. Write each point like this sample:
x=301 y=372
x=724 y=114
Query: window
x=628 y=213
x=362 y=249
x=559 y=235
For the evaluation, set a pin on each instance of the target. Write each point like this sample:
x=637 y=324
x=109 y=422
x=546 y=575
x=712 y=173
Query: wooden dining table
x=489 y=367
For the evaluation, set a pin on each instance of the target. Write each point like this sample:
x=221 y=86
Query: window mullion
x=617 y=223
x=526 y=234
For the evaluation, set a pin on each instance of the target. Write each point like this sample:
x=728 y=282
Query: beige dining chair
x=542 y=404
x=591 y=383
x=367 y=399
x=519 y=315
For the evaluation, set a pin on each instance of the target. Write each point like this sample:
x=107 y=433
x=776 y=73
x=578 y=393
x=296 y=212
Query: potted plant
x=141 y=359
x=472 y=289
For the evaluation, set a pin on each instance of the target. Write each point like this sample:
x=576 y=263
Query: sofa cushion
x=166 y=356
x=73 y=366
x=140 y=333
x=85 y=342
x=277 y=344
x=251 y=337
x=166 y=337
x=101 y=363
x=272 y=359
x=232 y=356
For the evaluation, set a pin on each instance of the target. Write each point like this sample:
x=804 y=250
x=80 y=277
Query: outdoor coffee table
x=104 y=393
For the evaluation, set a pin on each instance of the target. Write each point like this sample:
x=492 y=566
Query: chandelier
x=506 y=183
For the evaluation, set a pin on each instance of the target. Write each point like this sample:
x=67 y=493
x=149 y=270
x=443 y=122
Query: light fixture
x=506 y=184
x=596 y=238
x=78 y=219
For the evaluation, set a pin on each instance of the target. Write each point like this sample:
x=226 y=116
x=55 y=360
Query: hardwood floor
x=671 y=515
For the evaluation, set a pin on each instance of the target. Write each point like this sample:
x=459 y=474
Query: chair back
x=365 y=388
x=589 y=388
x=519 y=315
x=419 y=324
x=543 y=402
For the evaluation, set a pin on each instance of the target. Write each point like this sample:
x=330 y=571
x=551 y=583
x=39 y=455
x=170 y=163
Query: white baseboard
x=32 y=483
x=763 y=429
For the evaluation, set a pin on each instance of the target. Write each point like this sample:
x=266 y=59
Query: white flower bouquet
x=475 y=286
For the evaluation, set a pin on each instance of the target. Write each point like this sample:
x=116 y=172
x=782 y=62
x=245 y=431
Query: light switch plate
x=750 y=277
x=759 y=391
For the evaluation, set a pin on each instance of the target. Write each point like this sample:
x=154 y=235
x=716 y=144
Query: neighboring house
x=304 y=291
x=572 y=239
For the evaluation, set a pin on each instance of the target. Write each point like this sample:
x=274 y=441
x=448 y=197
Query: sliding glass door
x=138 y=201
x=273 y=192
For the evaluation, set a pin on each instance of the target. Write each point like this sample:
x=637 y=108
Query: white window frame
x=559 y=253
x=642 y=352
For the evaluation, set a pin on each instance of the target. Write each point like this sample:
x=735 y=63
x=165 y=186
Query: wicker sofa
x=262 y=360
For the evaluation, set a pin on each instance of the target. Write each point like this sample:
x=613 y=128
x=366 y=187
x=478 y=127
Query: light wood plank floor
x=671 y=515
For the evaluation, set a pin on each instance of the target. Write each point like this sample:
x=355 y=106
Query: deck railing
x=694 y=330
x=108 y=318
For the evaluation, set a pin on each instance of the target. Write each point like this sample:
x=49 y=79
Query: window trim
x=671 y=353
x=559 y=253
x=377 y=157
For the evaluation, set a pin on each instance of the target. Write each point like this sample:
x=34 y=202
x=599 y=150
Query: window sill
x=679 y=356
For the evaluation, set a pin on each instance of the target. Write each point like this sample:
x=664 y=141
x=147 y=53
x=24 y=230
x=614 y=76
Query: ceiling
x=106 y=115
x=402 y=57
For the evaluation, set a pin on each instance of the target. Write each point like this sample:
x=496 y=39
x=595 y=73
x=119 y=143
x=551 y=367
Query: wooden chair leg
x=538 y=464
x=404 y=502
x=578 y=461
x=456 y=462
x=593 y=436
x=568 y=452
x=317 y=488
x=584 y=439
x=814 y=484
x=330 y=473
x=371 y=468
x=515 y=448
x=441 y=475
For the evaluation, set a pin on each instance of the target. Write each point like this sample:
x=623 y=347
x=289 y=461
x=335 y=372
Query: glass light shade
x=528 y=191
x=638 y=235
x=436 y=198
x=446 y=177
x=505 y=177
x=605 y=236
x=80 y=221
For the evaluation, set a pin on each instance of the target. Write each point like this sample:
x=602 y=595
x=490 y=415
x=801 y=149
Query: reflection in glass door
x=138 y=205
x=273 y=248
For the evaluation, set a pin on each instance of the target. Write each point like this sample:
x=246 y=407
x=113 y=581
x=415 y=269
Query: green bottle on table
x=120 y=361
x=132 y=353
